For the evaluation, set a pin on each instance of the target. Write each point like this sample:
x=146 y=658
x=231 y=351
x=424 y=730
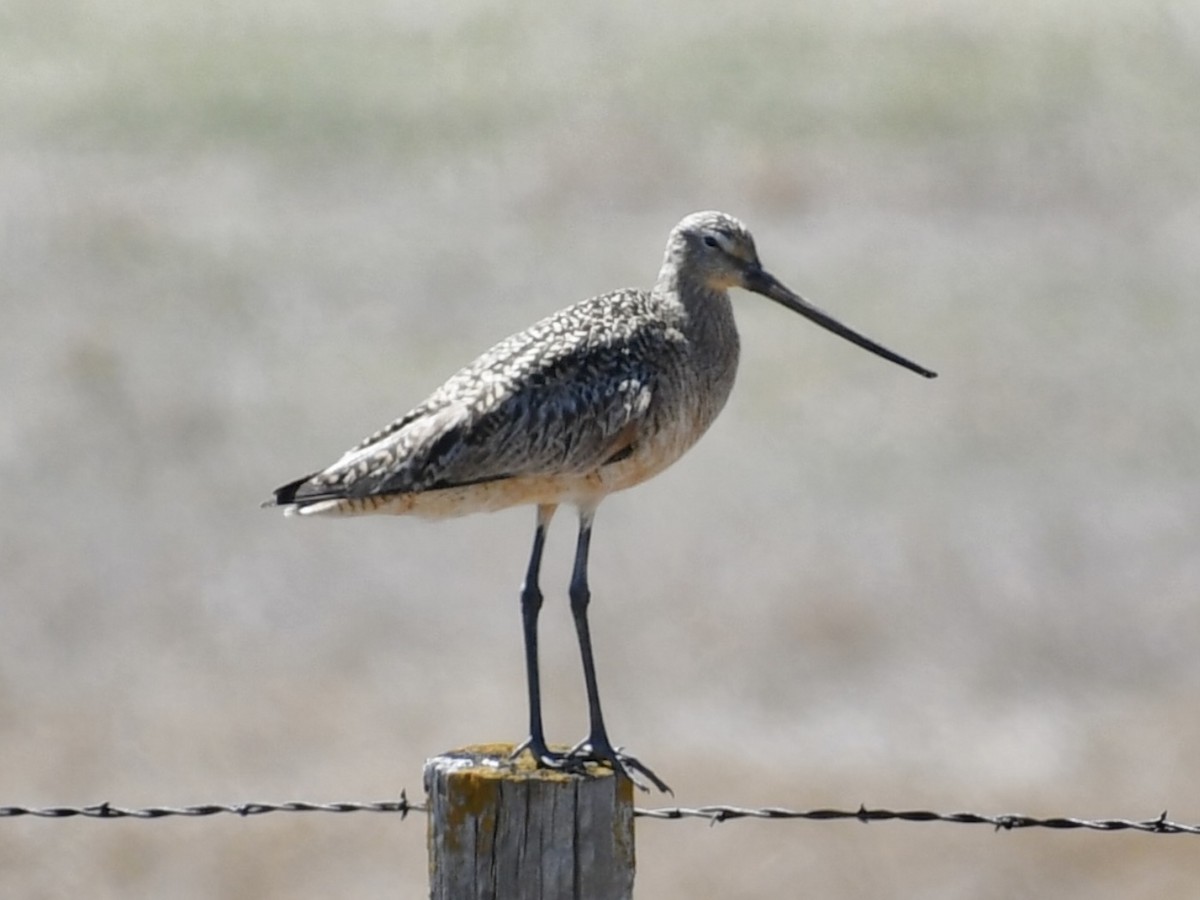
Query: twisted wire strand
x=714 y=814
x=108 y=811
x=1006 y=822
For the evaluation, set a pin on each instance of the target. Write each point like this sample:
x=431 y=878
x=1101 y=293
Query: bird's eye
x=710 y=241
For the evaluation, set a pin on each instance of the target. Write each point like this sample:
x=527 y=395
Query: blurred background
x=235 y=238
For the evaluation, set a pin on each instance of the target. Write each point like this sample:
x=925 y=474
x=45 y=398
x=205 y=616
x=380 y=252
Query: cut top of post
x=508 y=829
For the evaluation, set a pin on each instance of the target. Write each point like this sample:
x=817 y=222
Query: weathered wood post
x=509 y=831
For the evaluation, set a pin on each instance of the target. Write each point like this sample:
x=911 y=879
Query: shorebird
x=593 y=399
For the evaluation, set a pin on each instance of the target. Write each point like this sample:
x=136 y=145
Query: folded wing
x=559 y=398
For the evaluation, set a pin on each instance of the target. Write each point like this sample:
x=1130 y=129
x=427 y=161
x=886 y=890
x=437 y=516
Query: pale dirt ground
x=235 y=238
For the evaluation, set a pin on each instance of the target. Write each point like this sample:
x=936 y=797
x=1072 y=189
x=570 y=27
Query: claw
x=600 y=750
x=592 y=749
x=543 y=756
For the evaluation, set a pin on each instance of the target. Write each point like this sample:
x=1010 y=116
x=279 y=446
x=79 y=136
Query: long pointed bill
x=766 y=284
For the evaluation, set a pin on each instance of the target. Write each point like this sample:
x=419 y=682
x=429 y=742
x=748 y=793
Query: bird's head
x=714 y=252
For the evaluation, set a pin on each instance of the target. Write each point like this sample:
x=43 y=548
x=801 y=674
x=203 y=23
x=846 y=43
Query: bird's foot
x=598 y=749
x=543 y=756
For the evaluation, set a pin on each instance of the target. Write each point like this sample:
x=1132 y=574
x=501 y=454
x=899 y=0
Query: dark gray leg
x=596 y=746
x=531 y=605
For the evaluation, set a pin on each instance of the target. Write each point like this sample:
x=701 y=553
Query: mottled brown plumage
x=621 y=384
x=593 y=399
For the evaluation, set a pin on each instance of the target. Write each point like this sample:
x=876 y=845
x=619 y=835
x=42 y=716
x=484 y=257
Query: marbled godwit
x=593 y=399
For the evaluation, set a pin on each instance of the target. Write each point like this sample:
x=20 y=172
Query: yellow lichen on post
x=508 y=829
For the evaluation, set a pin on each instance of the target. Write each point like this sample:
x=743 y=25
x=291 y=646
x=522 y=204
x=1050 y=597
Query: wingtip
x=289 y=509
x=286 y=494
x=289 y=499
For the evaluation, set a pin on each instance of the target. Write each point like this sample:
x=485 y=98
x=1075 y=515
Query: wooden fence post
x=509 y=831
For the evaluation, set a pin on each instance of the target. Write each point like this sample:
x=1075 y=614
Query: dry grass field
x=234 y=238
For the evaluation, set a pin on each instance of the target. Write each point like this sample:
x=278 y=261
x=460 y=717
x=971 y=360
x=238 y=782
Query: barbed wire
x=713 y=814
x=107 y=811
x=1005 y=822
